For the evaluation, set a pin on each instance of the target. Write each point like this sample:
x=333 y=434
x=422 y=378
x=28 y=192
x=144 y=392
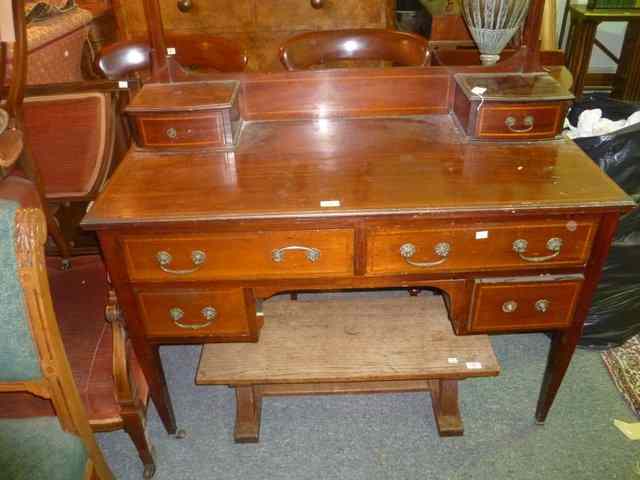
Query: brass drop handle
x=553 y=244
x=164 y=259
x=408 y=250
x=528 y=123
x=208 y=313
x=312 y=254
x=542 y=305
x=317 y=4
x=185 y=5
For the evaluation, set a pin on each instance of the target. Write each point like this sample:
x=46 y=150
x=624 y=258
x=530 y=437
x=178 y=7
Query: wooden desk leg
x=248 y=413
x=158 y=389
x=147 y=353
x=627 y=82
x=583 y=33
x=444 y=399
x=564 y=342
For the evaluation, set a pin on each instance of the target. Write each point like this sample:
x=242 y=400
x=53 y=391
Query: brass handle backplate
x=408 y=250
x=312 y=254
x=172 y=133
x=164 y=259
x=542 y=305
x=209 y=314
x=528 y=123
x=553 y=244
x=509 y=306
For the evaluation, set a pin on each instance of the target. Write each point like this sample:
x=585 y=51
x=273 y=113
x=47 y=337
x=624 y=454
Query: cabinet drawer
x=181 y=130
x=517 y=120
x=479 y=247
x=198 y=312
x=533 y=303
x=236 y=255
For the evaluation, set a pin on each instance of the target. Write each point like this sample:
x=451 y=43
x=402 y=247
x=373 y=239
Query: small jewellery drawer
x=480 y=246
x=507 y=120
x=197 y=312
x=238 y=255
x=183 y=130
x=529 y=303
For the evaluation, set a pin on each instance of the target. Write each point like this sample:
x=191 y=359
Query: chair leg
x=134 y=425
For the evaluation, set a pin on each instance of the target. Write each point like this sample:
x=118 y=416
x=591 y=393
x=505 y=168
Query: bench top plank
x=368 y=339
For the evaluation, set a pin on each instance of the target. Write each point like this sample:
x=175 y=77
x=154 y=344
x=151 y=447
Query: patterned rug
x=623 y=364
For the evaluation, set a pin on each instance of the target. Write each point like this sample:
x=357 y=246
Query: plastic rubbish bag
x=615 y=312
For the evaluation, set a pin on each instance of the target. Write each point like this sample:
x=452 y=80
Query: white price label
x=329 y=203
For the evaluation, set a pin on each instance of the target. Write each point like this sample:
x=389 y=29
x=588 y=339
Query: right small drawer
x=520 y=304
x=516 y=121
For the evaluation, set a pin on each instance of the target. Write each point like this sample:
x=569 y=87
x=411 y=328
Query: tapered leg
x=248 y=412
x=627 y=83
x=444 y=399
x=583 y=33
x=134 y=425
x=158 y=389
x=564 y=342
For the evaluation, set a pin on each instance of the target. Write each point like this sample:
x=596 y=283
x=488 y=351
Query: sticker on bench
x=474 y=365
x=452 y=360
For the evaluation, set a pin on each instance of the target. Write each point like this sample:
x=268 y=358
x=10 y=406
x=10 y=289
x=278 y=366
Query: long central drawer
x=240 y=255
x=404 y=249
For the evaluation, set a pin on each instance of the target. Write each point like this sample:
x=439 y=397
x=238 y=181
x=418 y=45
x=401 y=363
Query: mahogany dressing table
x=351 y=179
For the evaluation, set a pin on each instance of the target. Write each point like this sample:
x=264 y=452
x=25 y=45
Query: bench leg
x=248 y=410
x=444 y=399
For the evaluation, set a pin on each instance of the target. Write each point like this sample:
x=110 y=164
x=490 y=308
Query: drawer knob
x=542 y=305
x=510 y=306
x=528 y=123
x=553 y=244
x=198 y=258
x=408 y=250
x=208 y=313
x=185 y=5
x=172 y=133
x=317 y=4
x=312 y=254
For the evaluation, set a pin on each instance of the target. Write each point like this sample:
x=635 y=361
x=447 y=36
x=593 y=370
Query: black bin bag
x=614 y=316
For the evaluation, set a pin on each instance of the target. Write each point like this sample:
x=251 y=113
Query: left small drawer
x=193 y=130
x=225 y=314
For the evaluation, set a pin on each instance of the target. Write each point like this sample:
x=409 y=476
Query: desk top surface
x=402 y=165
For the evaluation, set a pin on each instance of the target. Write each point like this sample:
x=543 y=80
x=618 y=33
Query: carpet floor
x=393 y=436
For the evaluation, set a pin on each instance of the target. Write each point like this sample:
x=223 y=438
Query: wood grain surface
x=350 y=340
x=372 y=166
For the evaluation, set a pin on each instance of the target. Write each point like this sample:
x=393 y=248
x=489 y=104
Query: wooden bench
x=363 y=345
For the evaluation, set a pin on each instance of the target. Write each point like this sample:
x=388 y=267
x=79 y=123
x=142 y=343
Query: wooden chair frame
x=57 y=383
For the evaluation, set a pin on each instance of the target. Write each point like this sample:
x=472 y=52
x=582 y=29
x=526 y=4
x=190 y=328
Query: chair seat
x=79 y=298
x=37 y=448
